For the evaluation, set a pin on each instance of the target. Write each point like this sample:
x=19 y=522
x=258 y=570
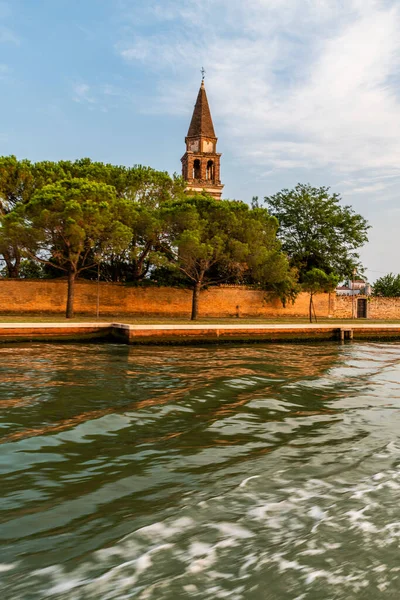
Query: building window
x=210 y=170
x=196 y=169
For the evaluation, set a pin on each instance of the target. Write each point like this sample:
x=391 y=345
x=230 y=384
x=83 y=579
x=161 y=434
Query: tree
x=286 y=288
x=146 y=190
x=67 y=225
x=209 y=241
x=16 y=186
x=317 y=231
x=31 y=269
x=316 y=281
x=387 y=286
x=138 y=183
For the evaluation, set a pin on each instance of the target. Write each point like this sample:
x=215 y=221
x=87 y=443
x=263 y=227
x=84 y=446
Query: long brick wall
x=38 y=296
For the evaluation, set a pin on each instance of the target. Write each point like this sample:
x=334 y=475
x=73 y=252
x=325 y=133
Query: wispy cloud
x=82 y=93
x=7 y=36
x=102 y=97
x=5 y=72
x=294 y=84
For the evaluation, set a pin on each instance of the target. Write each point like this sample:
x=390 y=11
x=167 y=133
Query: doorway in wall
x=361 y=308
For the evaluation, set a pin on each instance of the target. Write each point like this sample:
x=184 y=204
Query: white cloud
x=367 y=189
x=292 y=83
x=82 y=93
x=7 y=36
x=5 y=72
x=102 y=97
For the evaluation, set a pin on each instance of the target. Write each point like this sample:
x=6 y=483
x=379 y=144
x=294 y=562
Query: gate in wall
x=361 y=308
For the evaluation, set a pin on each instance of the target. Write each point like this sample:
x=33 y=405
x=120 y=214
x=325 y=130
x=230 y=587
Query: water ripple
x=240 y=472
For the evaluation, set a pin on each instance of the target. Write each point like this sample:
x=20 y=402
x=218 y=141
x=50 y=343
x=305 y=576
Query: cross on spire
x=203 y=73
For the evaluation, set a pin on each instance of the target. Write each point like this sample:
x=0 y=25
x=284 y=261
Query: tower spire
x=201 y=162
x=201 y=123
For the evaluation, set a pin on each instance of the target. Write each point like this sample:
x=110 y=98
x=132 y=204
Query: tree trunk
x=139 y=263
x=12 y=270
x=315 y=314
x=12 y=267
x=195 y=300
x=70 y=295
x=310 y=309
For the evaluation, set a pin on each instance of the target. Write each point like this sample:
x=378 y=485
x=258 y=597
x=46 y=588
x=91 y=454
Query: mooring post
x=345 y=333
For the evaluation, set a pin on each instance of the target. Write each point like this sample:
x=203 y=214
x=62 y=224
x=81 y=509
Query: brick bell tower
x=201 y=161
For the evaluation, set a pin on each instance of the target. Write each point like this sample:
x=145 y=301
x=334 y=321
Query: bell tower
x=201 y=161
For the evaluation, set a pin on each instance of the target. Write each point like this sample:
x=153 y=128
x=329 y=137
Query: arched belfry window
x=210 y=170
x=196 y=169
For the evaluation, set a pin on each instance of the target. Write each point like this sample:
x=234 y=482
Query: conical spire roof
x=201 y=123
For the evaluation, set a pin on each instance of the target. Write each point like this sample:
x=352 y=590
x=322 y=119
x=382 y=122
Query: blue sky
x=300 y=90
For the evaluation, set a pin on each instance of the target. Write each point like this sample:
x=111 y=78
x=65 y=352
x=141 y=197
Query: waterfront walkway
x=196 y=333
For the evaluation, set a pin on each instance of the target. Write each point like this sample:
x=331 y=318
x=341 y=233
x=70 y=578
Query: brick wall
x=35 y=296
x=343 y=307
x=377 y=308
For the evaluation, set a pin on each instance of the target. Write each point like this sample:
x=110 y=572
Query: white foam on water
x=245 y=481
x=199 y=549
x=313 y=552
x=5 y=567
x=232 y=530
x=162 y=530
x=190 y=589
x=317 y=513
x=65 y=586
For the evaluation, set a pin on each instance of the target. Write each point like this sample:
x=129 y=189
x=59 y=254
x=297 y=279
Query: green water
x=247 y=472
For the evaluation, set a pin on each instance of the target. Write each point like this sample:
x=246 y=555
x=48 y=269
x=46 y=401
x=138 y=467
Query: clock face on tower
x=194 y=146
x=208 y=146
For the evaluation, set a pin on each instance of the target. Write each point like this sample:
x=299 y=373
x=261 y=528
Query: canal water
x=255 y=472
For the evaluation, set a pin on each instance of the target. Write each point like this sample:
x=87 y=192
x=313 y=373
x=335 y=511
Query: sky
x=300 y=91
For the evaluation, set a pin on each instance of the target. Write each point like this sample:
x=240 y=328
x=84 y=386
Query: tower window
x=196 y=169
x=210 y=170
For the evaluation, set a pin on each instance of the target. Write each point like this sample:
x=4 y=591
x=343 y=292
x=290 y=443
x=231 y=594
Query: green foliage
x=30 y=269
x=203 y=232
x=167 y=275
x=71 y=218
x=144 y=189
x=317 y=281
x=211 y=241
x=16 y=182
x=317 y=231
x=387 y=286
x=68 y=224
x=16 y=186
x=139 y=184
x=286 y=288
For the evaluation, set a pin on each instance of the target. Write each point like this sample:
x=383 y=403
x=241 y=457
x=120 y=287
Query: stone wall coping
x=52 y=325
x=197 y=326
x=193 y=333
x=256 y=326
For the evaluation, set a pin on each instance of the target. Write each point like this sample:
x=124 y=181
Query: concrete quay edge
x=196 y=333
